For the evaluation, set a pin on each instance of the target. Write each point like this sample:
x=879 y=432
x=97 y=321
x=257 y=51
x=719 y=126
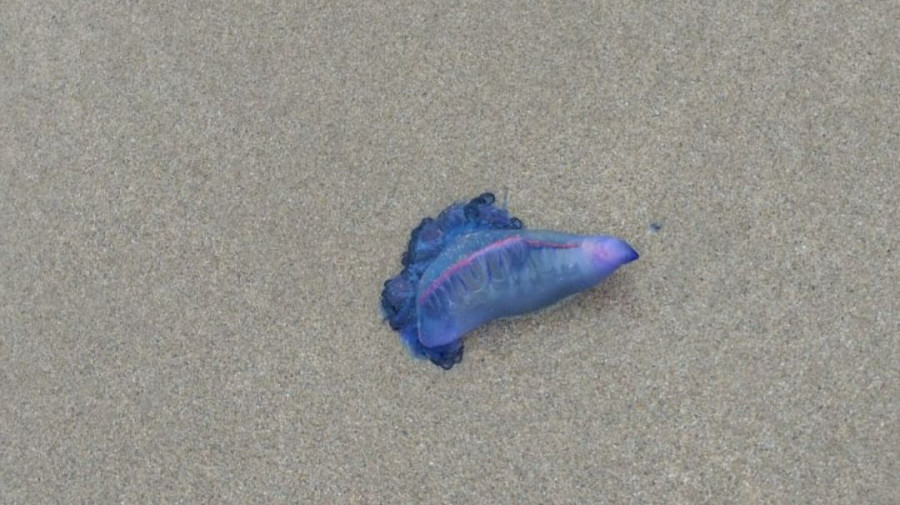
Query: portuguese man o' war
x=475 y=263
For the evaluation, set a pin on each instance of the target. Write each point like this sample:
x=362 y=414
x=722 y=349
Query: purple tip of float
x=611 y=252
x=622 y=251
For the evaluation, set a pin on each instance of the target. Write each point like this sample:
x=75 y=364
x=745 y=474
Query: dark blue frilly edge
x=427 y=241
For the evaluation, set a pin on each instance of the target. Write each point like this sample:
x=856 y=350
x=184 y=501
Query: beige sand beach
x=199 y=204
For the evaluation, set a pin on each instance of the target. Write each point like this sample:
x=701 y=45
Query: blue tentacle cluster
x=428 y=240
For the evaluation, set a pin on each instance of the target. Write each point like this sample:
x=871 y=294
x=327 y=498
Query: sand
x=199 y=205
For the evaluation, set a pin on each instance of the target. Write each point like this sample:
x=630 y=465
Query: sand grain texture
x=199 y=204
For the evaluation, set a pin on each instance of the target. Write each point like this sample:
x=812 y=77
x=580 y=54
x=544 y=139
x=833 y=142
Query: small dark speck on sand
x=655 y=227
